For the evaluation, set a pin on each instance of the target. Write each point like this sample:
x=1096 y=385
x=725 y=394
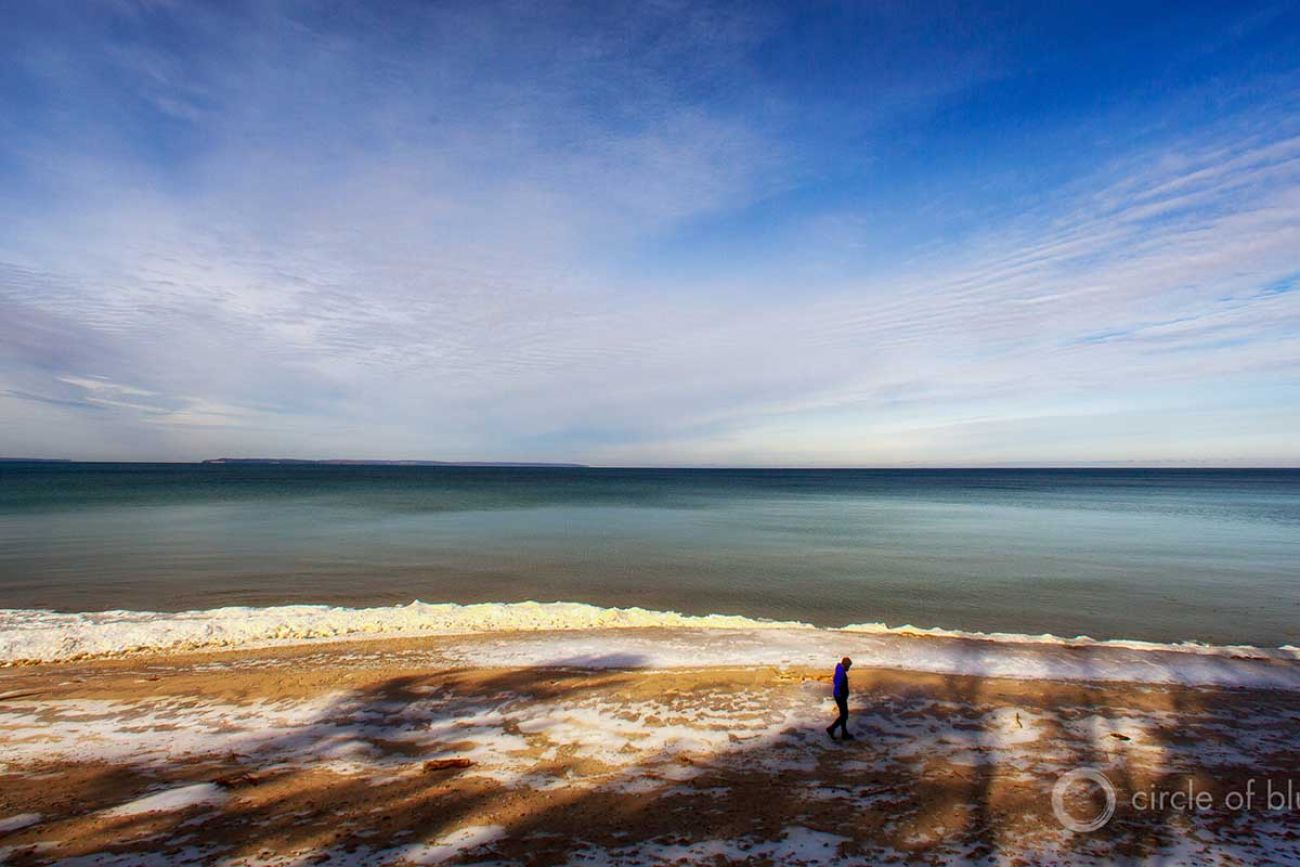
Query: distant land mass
x=4 y=460
x=365 y=463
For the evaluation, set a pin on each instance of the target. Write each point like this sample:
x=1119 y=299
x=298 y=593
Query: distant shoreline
x=363 y=462
x=360 y=462
x=37 y=461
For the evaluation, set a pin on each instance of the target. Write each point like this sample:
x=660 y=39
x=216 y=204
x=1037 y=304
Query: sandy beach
x=550 y=748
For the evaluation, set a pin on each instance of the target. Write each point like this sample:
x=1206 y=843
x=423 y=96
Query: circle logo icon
x=1073 y=778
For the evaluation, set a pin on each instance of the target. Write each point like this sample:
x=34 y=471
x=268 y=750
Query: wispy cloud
x=410 y=235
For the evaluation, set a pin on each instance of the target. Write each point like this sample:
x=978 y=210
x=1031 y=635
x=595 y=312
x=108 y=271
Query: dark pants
x=842 y=721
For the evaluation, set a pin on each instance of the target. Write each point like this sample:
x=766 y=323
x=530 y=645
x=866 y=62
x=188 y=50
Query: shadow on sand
x=939 y=772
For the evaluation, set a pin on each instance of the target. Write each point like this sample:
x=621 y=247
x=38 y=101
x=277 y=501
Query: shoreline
x=33 y=637
x=331 y=754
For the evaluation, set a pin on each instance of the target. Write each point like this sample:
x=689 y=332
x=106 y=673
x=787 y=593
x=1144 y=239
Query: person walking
x=841 y=694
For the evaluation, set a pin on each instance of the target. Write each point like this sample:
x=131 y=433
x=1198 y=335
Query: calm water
x=1160 y=555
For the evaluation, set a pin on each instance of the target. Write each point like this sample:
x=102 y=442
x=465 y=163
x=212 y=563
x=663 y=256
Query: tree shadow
x=946 y=766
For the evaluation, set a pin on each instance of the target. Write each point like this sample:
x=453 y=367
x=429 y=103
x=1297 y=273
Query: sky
x=655 y=233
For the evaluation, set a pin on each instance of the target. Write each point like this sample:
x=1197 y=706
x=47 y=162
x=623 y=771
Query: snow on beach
x=562 y=726
x=172 y=800
x=290 y=755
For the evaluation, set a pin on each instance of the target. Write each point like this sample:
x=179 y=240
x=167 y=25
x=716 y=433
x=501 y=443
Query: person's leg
x=843 y=721
x=840 y=720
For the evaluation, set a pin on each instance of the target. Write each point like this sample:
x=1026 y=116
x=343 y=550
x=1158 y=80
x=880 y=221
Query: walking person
x=841 y=694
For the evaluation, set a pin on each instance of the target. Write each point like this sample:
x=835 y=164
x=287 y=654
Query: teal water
x=1161 y=555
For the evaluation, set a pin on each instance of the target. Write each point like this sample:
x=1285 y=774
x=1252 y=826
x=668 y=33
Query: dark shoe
x=848 y=737
x=830 y=733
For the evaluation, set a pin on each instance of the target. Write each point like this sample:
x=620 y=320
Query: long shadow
x=937 y=774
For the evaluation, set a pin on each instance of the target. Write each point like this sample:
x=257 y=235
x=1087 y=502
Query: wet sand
x=419 y=751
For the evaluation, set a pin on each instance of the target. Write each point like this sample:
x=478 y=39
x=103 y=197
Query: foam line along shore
x=533 y=634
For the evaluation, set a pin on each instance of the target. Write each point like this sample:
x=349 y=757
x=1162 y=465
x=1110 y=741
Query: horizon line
x=530 y=464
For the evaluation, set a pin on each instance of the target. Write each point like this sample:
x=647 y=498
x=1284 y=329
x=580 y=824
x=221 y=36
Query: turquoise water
x=1162 y=555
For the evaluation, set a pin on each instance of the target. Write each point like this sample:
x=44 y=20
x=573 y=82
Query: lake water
x=1161 y=555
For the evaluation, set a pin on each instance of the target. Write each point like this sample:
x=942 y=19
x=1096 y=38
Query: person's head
x=847 y=663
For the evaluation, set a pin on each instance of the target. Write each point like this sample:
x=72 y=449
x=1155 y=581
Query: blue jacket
x=841 y=681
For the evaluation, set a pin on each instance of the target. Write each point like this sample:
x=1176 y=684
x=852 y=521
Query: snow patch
x=17 y=823
x=172 y=800
x=449 y=846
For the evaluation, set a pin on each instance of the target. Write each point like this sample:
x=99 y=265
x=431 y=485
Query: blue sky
x=658 y=233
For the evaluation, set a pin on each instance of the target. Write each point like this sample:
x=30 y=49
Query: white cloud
x=370 y=247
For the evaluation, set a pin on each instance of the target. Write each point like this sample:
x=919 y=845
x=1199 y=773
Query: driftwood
x=446 y=764
x=231 y=781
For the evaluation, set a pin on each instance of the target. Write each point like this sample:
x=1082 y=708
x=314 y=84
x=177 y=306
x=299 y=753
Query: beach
x=644 y=745
x=223 y=664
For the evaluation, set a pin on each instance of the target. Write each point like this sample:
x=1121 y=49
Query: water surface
x=1162 y=555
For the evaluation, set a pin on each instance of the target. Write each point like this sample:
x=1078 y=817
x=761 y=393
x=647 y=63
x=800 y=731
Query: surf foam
x=28 y=636
x=47 y=636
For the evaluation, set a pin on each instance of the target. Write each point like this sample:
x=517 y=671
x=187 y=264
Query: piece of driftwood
x=231 y=781
x=446 y=764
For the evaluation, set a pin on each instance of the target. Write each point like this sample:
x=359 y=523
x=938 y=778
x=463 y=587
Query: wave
x=1287 y=652
x=28 y=635
x=37 y=636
